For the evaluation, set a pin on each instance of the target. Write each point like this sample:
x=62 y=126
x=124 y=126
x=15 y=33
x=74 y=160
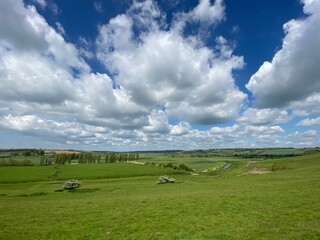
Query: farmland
x=121 y=200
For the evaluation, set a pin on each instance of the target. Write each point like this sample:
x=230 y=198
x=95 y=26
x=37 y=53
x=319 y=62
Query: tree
x=42 y=160
x=113 y=157
x=69 y=157
x=27 y=153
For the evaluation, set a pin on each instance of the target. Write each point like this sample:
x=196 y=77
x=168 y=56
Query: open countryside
x=254 y=197
x=159 y=120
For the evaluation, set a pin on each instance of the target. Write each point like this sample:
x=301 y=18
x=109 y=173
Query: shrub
x=165 y=179
x=169 y=165
x=185 y=167
x=71 y=184
x=279 y=166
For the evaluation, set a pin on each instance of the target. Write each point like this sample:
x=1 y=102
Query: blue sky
x=140 y=75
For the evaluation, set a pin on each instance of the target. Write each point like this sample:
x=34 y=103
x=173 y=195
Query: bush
x=71 y=184
x=169 y=165
x=279 y=166
x=165 y=179
x=185 y=167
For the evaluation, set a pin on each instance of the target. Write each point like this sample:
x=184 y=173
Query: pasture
x=123 y=201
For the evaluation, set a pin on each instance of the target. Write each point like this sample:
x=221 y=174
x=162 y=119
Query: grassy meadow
x=123 y=201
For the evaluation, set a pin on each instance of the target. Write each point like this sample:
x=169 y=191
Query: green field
x=123 y=201
x=198 y=164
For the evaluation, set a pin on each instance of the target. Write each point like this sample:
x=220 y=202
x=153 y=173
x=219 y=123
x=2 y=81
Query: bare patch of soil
x=256 y=171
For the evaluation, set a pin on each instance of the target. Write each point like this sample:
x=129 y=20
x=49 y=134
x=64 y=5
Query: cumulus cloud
x=158 y=122
x=98 y=103
x=20 y=123
x=37 y=80
x=245 y=136
x=162 y=67
x=181 y=129
x=244 y=130
x=59 y=131
x=17 y=28
x=308 y=106
x=146 y=15
x=204 y=12
x=23 y=30
x=45 y=75
x=268 y=116
x=156 y=75
x=308 y=122
x=85 y=47
x=305 y=138
x=293 y=74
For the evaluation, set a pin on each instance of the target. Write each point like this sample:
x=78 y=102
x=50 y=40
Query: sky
x=127 y=75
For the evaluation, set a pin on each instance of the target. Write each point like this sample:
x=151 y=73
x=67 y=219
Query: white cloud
x=42 y=3
x=257 y=130
x=37 y=69
x=98 y=6
x=181 y=129
x=308 y=106
x=21 y=27
x=158 y=122
x=57 y=131
x=117 y=34
x=268 y=116
x=158 y=76
x=293 y=74
x=308 y=122
x=204 y=12
x=47 y=77
x=60 y=28
x=245 y=136
x=98 y=100
x=162 y=67
x=85 y=48
x=146 y=15
x=20 y=123
x=38 y=79
x=23 y=30
x=303 y=139
x=235 y=29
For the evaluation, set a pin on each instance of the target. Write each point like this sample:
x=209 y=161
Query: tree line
x=87 y=157
x=12 y=162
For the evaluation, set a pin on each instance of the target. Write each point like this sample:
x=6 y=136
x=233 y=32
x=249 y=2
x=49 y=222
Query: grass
x=82 y=171
x=35 y=160
x=283 y=151
x=197 y=163
x=280 y=205
x=111 y=170
x=14 y=174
